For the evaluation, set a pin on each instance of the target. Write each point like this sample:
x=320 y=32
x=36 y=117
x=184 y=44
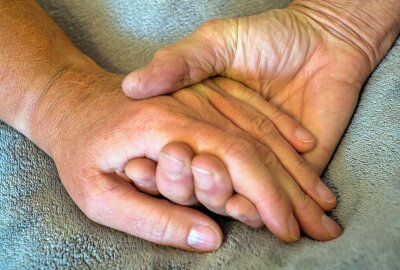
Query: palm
x=291 y=60
x=303 y=70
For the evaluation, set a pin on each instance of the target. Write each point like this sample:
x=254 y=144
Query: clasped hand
x=236 y=144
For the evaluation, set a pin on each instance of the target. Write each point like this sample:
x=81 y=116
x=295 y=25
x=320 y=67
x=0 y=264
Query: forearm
x=370 y=25
x=34 y=55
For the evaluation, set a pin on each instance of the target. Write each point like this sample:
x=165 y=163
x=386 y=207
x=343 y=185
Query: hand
x=216 y=192
x=91 y=131
x=94 y=141
x=293 y=57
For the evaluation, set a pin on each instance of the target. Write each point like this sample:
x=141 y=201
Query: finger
x=189 y=61
x=301 y=139
x=213 y=186
x=159 y=221
x=254 y=181
x=310 y=216
x=313 y=221
x=142 y=172
x=264 y=131
x=243 y=210
x=173 y=176
x=249 y=175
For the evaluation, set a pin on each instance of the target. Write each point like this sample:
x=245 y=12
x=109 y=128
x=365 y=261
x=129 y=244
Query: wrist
x=64 y=104
x=369 y=26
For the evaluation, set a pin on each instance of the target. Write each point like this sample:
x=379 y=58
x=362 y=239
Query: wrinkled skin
x=305 y=65
x=113 y=133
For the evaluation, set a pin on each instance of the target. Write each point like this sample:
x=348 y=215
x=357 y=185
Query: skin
x=309 y=61
x=45 y=76
x=216 y=195
x=76 y=112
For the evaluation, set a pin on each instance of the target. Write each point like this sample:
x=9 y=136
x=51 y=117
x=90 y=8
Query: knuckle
x=277 y=116
x=153 y=110
x=304 y=174
x=302 y=168
x=252 y=97
x=161 y=228
x=240 y=149
x=269 y=157
x=274 y=197
x=263 y=128
x=302 y=203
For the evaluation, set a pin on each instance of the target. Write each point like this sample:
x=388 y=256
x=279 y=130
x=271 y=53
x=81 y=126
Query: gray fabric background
x=41 y=228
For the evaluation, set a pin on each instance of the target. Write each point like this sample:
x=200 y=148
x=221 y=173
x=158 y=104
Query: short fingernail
x=204 y=179
x=331 y=226
x=294 y=229
x=171 y=167
x=325 y=193
x=303 y=135
x=128 y=84
x=203 y=238
x=143 y=182
x=238 y=216
x=251 y=221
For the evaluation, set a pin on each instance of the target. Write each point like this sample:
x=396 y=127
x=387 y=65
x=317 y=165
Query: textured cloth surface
x=40 y=227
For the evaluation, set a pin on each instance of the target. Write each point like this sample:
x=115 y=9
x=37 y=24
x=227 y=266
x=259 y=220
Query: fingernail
x=171 y=167
x=143 y=182
x=204 y=179
x=331 y=226
x=325 y=193
x=294 y=229
x=303 y=135
x=128 y=84
x=203 y=238
x=238 y=216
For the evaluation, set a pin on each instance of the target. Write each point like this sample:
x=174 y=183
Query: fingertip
x=280 y=221
x=142 y=172
x=241 y=209
x=303 y=135
x=186 y=228
x=162 y=75
x=213 y=186
x=326 y=196
x=144 y=83
x=333 y=229
x=173 y=174
x=141 y=168
x=205 y=238
x=128 y=84
x=193 y=230
x=303 y=141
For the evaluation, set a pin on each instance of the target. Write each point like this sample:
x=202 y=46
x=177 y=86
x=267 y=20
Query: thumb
x=158 y=221
x=191 y=60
